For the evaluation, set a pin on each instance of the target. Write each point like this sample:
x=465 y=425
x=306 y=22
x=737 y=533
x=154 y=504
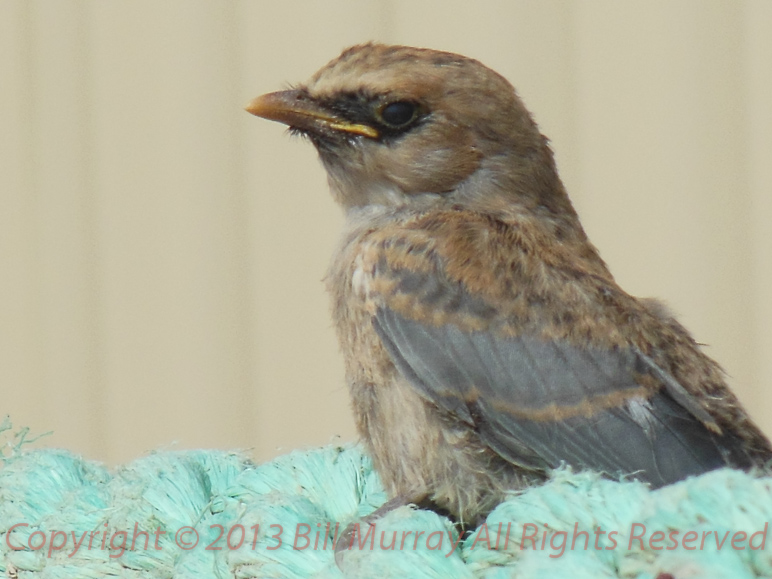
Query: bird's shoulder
x=481 y=272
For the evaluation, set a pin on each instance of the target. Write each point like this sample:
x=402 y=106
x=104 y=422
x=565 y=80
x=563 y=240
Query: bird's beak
x=296 y=109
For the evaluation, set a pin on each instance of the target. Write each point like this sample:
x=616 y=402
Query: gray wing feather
x=508 y=388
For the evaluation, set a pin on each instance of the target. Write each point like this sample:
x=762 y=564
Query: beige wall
x=161 y=251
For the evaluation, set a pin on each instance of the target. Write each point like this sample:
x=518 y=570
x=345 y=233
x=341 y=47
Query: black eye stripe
x=371 y=110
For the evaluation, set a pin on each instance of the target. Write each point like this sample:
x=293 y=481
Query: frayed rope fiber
x=202 y=514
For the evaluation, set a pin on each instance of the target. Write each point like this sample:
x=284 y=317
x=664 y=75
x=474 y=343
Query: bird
x=485 y=341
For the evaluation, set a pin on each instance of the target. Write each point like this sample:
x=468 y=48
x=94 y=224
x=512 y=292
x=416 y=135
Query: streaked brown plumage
x=485 y=340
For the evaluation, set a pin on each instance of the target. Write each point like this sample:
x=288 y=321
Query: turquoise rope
x=242 y=510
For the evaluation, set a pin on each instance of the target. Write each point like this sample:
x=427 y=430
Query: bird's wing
x=536 y=397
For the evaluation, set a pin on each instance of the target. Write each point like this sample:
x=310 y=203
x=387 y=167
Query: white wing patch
x=360 y=279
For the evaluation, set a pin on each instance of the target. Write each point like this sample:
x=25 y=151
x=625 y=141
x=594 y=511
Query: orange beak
x=296 y=109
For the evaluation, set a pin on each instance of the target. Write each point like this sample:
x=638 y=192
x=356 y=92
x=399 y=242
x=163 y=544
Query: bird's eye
x=398 y=114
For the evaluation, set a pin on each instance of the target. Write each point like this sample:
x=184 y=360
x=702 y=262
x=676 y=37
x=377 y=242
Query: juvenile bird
x=485 y=340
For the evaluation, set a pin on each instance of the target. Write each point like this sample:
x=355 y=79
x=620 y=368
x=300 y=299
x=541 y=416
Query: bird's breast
x=417 y=449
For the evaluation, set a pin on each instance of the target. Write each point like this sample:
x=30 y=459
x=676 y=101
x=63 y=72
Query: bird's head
x=394 y=125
